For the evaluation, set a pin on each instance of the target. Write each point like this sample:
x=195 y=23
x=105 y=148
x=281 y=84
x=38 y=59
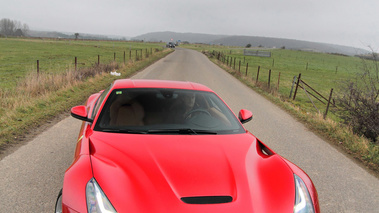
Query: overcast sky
x=345 y=22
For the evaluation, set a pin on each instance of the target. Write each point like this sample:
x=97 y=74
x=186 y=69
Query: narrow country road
x=31 y=177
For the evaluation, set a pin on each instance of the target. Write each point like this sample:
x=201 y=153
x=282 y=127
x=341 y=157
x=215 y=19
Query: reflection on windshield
x=166 y=111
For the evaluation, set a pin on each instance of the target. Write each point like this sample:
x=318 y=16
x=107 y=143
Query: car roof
x=142 y=83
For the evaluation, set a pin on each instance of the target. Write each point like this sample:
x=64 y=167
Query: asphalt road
x=31 y=177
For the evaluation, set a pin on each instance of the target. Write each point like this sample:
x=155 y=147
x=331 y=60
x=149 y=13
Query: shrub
x=358 y=101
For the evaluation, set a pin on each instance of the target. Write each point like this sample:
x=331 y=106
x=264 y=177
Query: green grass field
x=18 y=57
x=319 y=70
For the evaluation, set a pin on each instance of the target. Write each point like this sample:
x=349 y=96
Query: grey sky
x=346 y=22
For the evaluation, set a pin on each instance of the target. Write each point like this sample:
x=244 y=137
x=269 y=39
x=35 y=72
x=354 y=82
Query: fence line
x=304 y=85
x=309 y=91
x=140 y=54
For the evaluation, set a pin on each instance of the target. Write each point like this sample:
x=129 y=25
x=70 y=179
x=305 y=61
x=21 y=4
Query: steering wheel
x=199 y=110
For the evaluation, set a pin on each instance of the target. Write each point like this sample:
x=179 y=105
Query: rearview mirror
x=245 y=116
x=80 y=112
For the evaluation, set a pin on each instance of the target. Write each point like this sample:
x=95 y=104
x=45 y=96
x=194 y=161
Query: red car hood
x=157 y=173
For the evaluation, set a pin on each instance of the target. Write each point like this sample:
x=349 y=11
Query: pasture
x=18 y=57
x=29 y=98
x=319 y=70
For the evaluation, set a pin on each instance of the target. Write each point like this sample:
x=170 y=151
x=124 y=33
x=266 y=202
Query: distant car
x=170 y=146
x=170 y=45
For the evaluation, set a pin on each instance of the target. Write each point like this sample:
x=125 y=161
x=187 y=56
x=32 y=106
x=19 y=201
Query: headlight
x=96 y=199
x=303 y=201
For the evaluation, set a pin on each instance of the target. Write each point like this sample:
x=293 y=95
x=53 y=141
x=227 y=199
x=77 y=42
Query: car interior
x=159 y=107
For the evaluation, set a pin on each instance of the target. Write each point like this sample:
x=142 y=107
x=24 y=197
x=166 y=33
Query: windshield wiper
x=181 y=131
x=130 y=131
x=187 y=131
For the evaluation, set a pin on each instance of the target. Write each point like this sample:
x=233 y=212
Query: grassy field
x=28 y=100
x=18 y=57
x=321 y=71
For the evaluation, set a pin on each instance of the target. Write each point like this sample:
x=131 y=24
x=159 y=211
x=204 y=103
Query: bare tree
x=25 y=29
x=17 y=25
x=76 y=36
x=10 y=27
x=7 y=26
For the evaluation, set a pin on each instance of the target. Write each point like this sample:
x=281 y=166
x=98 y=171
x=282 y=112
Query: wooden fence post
x=297 y=85
x=327 y=106
x=124 y=57
x=247 y=67
x=114 y=56
x=293 y=84
x=76 y=64
x=278 y=81
x=239 y=66
x=37 y=68
x=269 y=79
x=259 y=67
x=98 y=60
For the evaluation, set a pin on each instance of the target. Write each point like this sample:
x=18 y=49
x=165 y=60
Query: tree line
x=13 y=28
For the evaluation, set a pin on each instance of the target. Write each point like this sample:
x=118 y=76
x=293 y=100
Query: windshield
x=166 y=111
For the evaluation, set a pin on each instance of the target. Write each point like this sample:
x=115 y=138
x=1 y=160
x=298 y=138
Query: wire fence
x=11 y=73
x=272 y=81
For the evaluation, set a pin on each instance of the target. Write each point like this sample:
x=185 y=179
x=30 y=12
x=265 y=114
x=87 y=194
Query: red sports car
x=169 y=146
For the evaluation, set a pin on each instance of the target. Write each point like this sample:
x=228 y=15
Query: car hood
x=179 y=173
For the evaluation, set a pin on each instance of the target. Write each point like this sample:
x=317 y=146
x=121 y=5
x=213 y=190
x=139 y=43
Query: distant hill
x=255 y=41
x=189 y=37
x=236 y=40
x=54 y=34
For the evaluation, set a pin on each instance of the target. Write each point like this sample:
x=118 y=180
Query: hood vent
x=207 y=199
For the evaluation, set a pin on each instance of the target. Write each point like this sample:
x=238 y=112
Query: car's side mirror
x=245 y=116
x=80 y=112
